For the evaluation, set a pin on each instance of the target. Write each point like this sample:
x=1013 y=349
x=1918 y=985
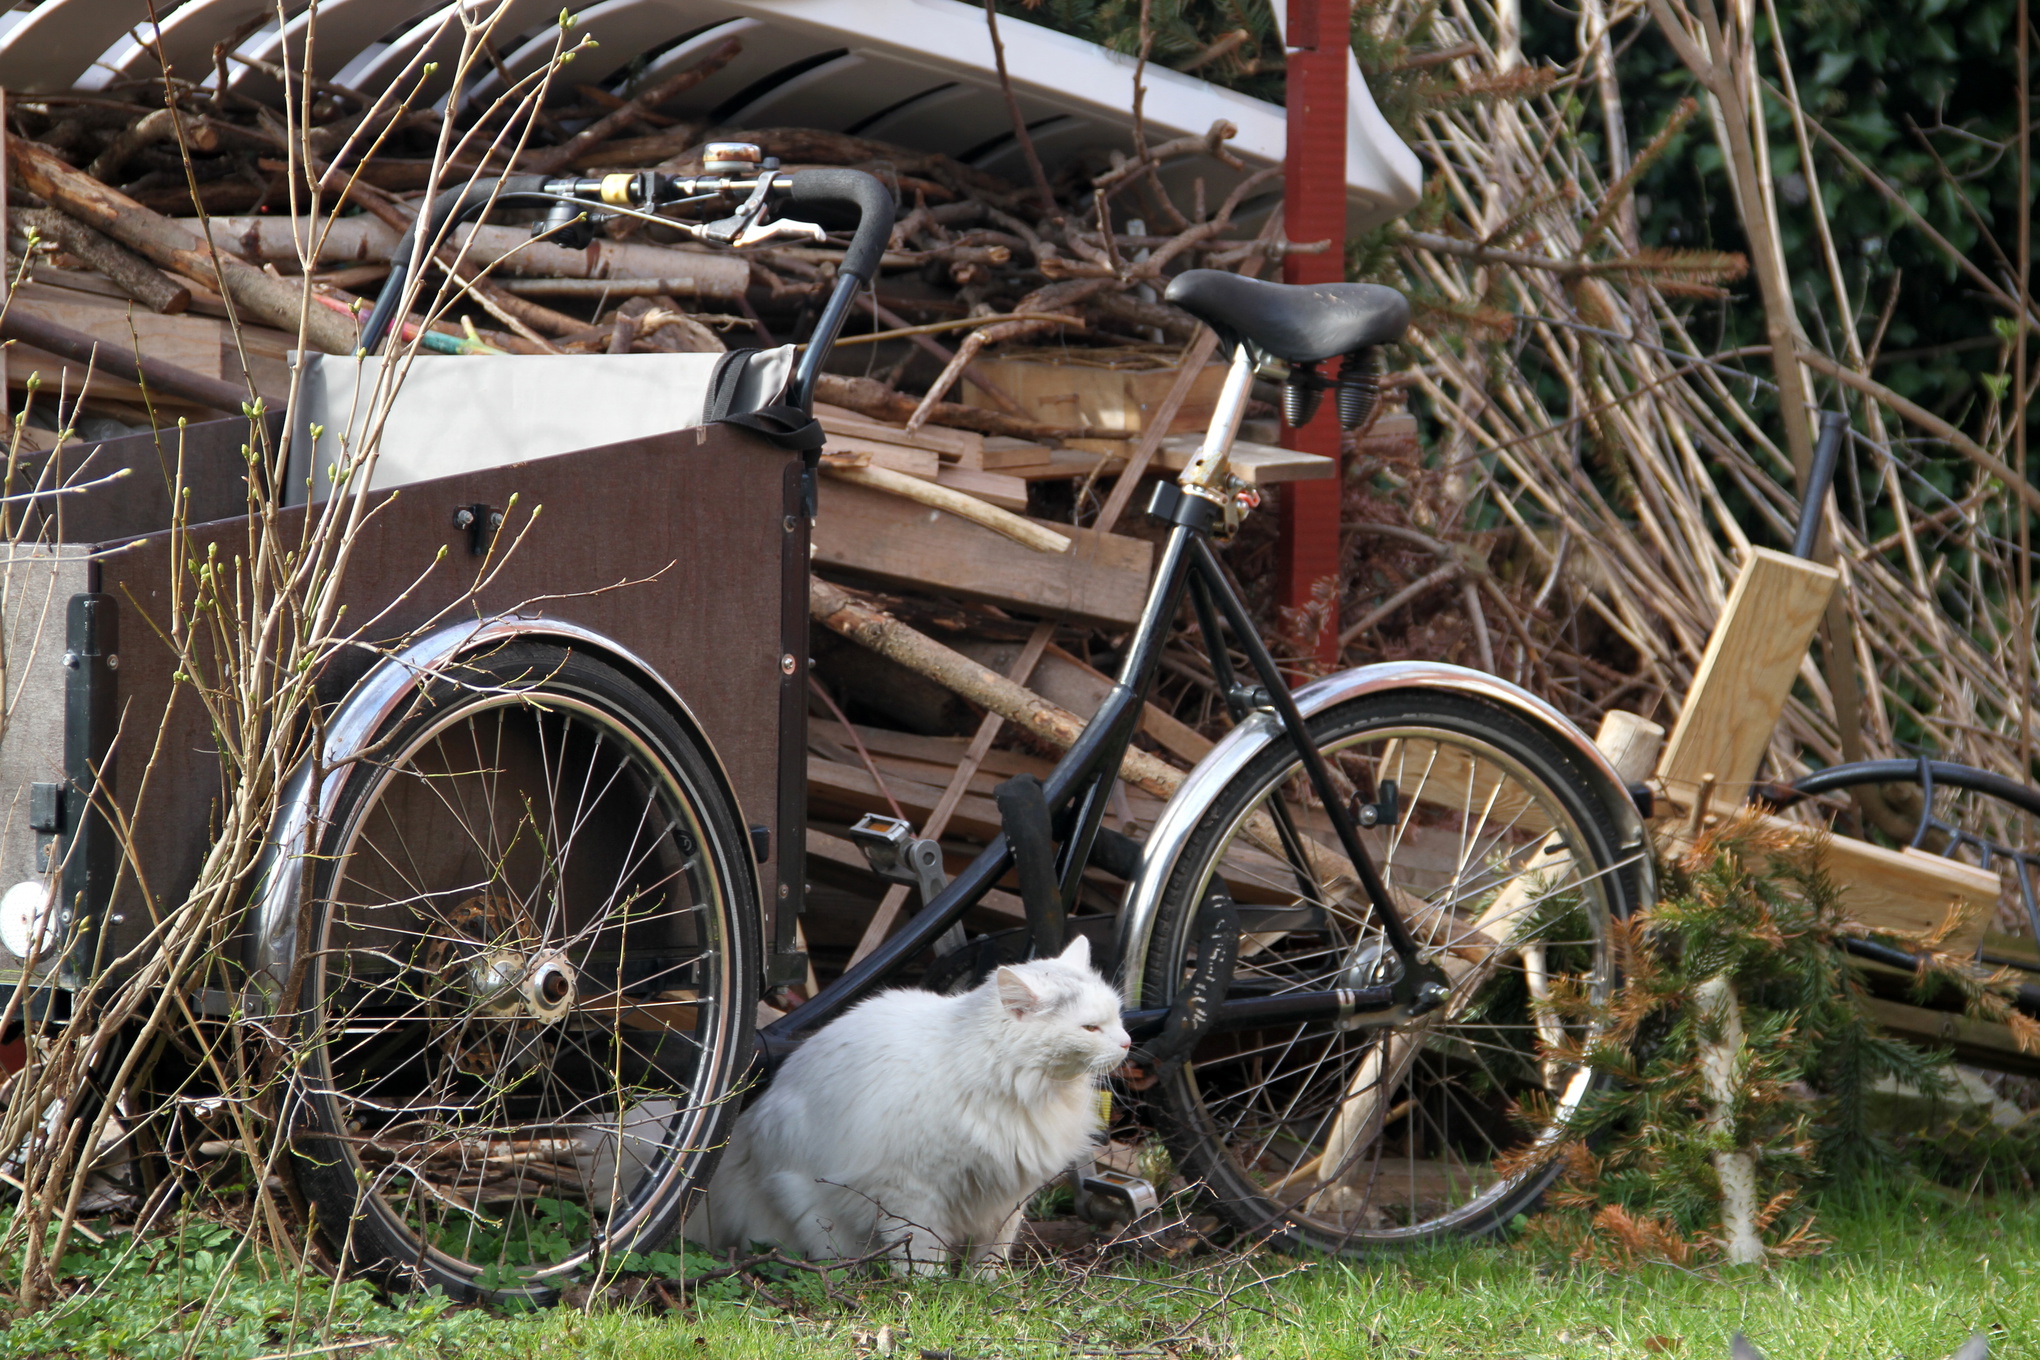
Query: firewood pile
x=1012 y=362
x=1013 y=386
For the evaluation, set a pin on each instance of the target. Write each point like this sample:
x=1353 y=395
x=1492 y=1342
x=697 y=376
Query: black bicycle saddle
x=1298 y=323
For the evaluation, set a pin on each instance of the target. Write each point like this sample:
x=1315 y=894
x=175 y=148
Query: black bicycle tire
x=1836 y=778
x=358 y=1227
x=1179 y=1109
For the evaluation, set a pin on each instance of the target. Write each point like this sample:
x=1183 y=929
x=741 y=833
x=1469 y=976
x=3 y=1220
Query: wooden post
x=1314 y=209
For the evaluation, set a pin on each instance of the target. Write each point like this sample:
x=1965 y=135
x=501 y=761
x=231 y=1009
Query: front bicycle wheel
x=1502 y=855
x=532 y=972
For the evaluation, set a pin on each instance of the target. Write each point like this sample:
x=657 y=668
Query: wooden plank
x=1008 y=493
x=1000 y=452
x=1254 y=464
x=1102 y=578
x=847 y=793
x=1451 y=776
x=1067 y=464
x=1065 y=681
x=1745 y=676
x=1978 y=1042
x=1907 y=892
x=958 y=444
x=190 y=342
x=922 y=463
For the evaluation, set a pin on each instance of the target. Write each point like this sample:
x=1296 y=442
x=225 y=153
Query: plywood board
x=1102 y=578
x=190 y=342
x=1745 y=676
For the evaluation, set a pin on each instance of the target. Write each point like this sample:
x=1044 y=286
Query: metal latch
x=46 y=820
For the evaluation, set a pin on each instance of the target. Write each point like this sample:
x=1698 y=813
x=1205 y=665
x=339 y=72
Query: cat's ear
x=1016 y=996
x=1078 y=953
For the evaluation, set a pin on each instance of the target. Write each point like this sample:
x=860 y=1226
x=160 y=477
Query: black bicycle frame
x=1076 y=792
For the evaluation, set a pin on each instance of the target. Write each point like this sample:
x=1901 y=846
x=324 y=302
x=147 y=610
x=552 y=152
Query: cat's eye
x=1094 y=1029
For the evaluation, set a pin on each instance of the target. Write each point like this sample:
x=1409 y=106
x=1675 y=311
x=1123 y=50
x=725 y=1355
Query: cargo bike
x=517 y=910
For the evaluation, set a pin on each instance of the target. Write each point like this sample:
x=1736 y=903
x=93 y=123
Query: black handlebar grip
x=851 y=189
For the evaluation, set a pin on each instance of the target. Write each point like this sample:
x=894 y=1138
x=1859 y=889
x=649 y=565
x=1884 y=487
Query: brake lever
x=757 y=233
x=726 y=231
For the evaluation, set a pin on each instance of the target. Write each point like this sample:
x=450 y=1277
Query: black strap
x=1023 y=812
x=723 y=382
x=788 y=427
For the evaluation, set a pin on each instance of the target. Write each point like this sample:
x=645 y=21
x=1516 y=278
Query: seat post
x=1205 y=475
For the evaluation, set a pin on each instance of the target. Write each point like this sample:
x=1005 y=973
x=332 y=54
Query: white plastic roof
x=915 y=72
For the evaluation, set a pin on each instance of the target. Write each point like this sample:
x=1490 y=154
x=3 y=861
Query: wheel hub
x=513 y=984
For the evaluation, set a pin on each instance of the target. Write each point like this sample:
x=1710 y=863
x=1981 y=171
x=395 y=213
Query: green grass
x=1910 y=1274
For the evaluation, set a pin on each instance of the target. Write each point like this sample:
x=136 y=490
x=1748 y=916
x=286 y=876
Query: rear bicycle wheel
x=1502 y=855
x=531 y=986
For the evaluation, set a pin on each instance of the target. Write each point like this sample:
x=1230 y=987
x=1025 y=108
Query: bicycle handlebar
x=852 y=189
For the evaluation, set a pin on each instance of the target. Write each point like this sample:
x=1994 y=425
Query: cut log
x=1102 y=578
x=263 y=298
x=141 y=280
x=354 y=240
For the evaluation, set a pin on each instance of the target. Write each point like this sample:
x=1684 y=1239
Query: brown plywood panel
x=672 y=546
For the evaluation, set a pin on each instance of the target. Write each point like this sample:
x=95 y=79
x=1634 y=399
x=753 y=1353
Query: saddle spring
x=1358 y=388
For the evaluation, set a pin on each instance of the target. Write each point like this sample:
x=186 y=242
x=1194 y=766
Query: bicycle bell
x=731 y=158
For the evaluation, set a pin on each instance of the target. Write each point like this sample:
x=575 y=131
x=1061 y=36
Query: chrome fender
x=303 y=812
x=1179 y=819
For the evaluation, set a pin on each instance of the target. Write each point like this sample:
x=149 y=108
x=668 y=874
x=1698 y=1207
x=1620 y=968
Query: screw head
x=787 y=665
x=463 y=519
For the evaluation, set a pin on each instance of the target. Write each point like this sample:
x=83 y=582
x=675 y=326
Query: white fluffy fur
x=920 y=1123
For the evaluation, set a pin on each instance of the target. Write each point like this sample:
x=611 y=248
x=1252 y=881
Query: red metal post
x=1314 y=208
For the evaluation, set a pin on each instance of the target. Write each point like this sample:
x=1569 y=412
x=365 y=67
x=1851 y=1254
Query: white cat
x=920 y=1123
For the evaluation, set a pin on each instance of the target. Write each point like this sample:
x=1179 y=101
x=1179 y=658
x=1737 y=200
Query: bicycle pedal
x=1111 y=1199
